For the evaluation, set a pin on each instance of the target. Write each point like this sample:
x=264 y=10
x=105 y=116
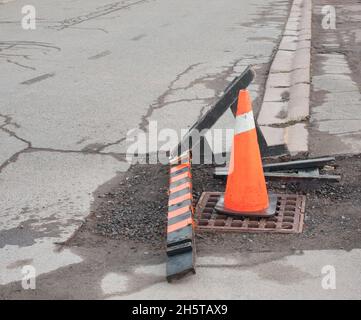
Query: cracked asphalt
x=71 y=90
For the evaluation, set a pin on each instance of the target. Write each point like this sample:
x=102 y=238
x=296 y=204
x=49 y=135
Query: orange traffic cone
x=246 y=191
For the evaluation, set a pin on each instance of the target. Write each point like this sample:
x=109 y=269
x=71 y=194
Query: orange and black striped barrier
x=180 y=230
x=180 y=235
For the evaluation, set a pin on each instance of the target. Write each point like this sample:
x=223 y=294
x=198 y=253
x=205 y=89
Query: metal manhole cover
x=289 y=216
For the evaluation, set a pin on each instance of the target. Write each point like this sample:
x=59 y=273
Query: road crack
x=20 y=65
x=99 y=12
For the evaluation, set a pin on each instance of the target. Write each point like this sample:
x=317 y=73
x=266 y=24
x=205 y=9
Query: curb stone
x=287 y=94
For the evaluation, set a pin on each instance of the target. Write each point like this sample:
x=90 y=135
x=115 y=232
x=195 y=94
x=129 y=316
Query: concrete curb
x=285 y=105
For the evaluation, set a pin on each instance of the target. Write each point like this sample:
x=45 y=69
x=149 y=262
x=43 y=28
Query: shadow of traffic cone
x=246 y=191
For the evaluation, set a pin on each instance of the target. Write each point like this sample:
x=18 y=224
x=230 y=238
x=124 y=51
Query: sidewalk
x=312 y=98
x=335 y=123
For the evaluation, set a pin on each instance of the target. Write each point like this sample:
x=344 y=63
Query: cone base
x=269 y=212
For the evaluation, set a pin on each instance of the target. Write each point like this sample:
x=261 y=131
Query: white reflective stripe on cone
x=245 y=122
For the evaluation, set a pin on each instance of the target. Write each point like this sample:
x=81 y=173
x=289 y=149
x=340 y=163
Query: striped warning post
x=180 y=231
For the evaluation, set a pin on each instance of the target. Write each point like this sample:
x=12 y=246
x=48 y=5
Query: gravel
x=136 y=210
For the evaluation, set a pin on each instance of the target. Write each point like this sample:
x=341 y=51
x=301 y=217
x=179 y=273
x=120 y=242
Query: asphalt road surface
x=91 y=71
x=71 y=90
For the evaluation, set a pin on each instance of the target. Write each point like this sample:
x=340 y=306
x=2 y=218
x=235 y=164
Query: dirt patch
x=136 y=210
x=333 y=215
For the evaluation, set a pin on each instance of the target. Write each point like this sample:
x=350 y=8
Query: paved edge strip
x=286 y=103
x=180 y=227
